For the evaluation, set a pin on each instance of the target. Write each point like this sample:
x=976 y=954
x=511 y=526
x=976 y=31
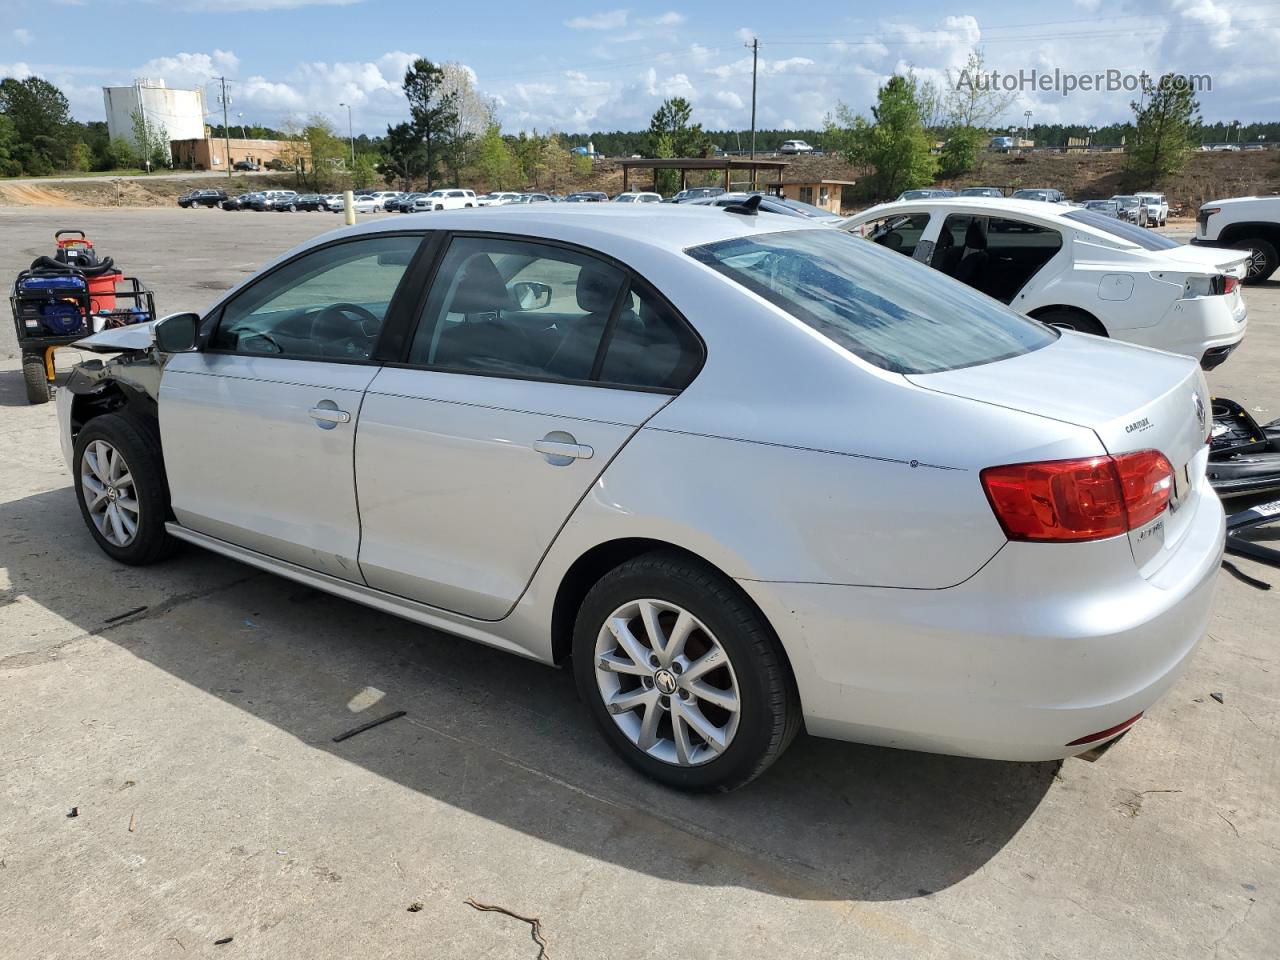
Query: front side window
x=900 y=233
x=898 y=315
x=325 y=305
x=526 y=309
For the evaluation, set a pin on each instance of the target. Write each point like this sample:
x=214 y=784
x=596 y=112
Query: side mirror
x=531 y=294
x=177 y=333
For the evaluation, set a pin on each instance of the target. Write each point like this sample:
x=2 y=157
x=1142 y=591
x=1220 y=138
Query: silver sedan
x=741 y=472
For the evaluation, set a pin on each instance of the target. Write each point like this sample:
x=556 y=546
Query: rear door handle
x=562 y=448
x=327 y=415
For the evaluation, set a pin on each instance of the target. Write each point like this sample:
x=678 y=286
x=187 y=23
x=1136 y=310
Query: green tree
x=960 y=152
x=326 y=154
x=892 y=147
x=42 y=123
x=365 y=171
x=433 y=113
x=494 y=163
x=119 y=154
x=1165 y=131
x=150 y=141
x=404 y=160
x=9 y=164
x=672 y=135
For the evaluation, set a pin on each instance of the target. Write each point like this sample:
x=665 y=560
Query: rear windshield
x=885 y=308
x=1124 y=230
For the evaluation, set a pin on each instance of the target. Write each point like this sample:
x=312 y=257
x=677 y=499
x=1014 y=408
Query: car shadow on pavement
x=507 y=739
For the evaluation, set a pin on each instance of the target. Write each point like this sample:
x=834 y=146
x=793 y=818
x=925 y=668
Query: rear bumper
x=1036 y=650
x=1204 y=328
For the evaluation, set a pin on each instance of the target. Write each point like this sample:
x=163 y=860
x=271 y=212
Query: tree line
x=915 y=133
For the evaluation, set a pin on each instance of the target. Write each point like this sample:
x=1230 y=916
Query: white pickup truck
x=1244 y=223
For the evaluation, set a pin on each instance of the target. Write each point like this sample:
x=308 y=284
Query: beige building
x=820 y=193
x=210 y=153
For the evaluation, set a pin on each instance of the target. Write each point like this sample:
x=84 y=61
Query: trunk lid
x=1131 y=397
x=1209 y=259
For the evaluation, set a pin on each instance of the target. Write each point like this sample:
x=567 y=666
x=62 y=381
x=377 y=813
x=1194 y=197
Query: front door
x=531 y=366
x=258 y=427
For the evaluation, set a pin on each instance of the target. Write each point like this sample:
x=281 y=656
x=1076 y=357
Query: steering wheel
x=332 y=330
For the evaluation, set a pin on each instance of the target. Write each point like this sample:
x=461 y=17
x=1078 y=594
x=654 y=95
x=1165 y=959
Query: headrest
x=974 y=238
x=946 y=239
x=597 y=289
x=480 y=288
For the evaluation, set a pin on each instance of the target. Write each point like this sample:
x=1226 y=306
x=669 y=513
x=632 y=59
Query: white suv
x=447 y=199
x=1157 y=205
x=1244 y=223
x=795 y=146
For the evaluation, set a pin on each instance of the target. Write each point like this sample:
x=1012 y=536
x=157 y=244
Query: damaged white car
x=1075 y=268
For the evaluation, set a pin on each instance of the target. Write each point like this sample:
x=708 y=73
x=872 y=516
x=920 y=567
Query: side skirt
x=411 y=610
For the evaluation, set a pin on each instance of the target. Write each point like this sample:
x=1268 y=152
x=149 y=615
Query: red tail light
x=1065 y=501
x=1229 y=284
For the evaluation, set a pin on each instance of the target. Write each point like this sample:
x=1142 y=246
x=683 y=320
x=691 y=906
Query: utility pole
x=350 y=135
x=226 y=128
x=754 y=46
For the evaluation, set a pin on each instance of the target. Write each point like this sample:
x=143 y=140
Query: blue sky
x=571 y=66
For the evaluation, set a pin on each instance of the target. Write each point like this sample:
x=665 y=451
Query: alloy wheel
x=107 y=487
x=667 y=682
x=1257 y=262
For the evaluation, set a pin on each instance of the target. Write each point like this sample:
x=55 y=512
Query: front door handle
x=327 y=415
x=561 y=448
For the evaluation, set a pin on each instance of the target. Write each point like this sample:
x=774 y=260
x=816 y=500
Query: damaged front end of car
x=126 y=378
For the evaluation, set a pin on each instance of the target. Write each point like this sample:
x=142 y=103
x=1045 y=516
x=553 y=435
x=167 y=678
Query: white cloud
x=609 y=20
x=727 y=98
x=19 y=70
x=23 y=36
x=668 y=19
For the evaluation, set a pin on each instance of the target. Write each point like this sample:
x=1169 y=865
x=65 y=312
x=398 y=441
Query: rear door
x=531 y=366
x=259 y=425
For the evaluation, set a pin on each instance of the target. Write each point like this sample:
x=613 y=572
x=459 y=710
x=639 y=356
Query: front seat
x=972 y=270
x=595 y=291
x=486 y=339
x=945 y=255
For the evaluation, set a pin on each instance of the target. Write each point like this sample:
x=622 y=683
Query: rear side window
x=889 y=310
x=532 y=310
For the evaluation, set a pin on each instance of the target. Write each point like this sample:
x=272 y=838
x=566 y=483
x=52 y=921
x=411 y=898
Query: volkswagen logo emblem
x=665 y=681
x=1199 y=405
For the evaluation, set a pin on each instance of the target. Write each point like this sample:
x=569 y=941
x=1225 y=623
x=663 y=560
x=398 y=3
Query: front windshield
x=886 y=308
x=1125 y=230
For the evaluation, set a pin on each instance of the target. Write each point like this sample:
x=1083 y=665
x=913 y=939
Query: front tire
x=122 y=490
x=683 y=675
x=1263 y=258
x=35 y=378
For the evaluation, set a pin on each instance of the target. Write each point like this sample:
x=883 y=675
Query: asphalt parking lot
x=187 y=712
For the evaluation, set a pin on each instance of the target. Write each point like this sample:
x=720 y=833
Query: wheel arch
x=92 y=399
x=1039 y=312
x=589 y=567
x=1250 y=229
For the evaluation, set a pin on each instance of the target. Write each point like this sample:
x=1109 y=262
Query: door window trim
x=632 y=280
x=392 y=322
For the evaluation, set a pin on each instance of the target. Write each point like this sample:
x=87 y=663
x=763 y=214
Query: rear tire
x=1077 y=320
x=118 y=467
x=748 y=702
x=1263 y=261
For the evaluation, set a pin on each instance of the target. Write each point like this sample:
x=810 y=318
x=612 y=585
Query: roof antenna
x=747 y=207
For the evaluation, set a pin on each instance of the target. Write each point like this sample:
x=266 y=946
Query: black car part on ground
x=1245 y=531
x=1244 y=458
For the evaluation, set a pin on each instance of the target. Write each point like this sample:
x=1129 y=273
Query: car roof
x=658 y=226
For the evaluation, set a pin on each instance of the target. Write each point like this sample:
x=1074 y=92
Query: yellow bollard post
x=349 y=204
